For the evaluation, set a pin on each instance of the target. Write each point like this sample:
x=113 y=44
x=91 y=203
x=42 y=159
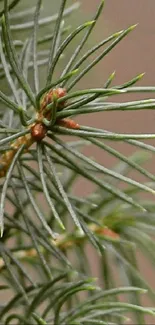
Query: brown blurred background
x=133 y=55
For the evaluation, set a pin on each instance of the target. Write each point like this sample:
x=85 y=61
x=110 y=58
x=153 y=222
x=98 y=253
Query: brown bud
x=48 y=97
x=38 y=131
x=67 y=123
x=60 y=92
x=105 y=231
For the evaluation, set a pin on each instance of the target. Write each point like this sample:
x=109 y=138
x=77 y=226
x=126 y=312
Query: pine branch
x=50 y=226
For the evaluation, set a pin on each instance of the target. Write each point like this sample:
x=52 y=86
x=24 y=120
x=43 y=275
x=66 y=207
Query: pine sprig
x=50 y=227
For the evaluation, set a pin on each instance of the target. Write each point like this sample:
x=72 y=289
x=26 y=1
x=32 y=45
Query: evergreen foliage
x=48 y=233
